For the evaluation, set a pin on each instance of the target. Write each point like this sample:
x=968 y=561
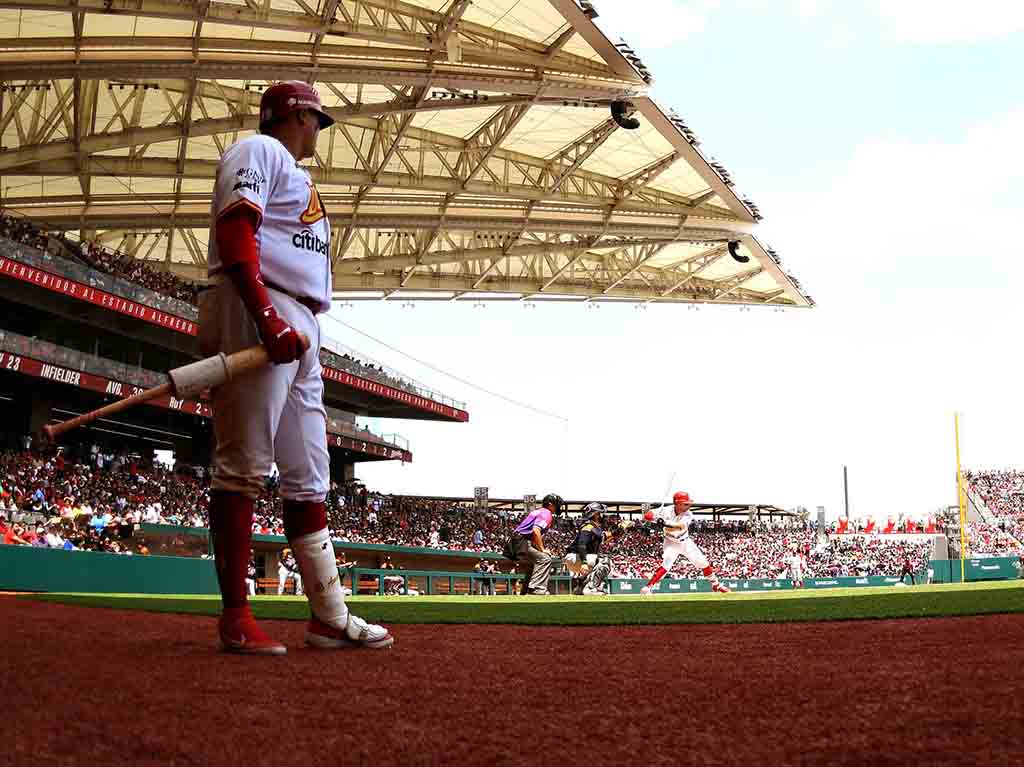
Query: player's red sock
x=303 y=518
x=658 y=575
x=231 y=529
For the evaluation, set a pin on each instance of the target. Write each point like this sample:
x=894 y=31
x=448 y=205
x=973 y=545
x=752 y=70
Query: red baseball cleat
x=357 y=633
x=721 y=588
x=239 y=633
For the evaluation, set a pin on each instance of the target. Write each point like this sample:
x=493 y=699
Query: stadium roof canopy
x=483 y=150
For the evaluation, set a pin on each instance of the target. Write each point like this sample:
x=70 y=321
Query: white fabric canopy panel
x=482 y=149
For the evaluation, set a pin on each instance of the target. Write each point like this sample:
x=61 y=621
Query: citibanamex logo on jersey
x=309 y=240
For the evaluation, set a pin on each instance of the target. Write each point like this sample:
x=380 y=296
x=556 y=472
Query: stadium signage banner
x=33 y=367
x=347 y=379
x=96 y=297
x=701 y=585
x=17 y=363
x=369 y=448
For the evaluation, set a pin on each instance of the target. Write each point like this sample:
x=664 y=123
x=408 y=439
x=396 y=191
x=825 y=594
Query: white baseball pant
x=272 y=415
x=282 y=578
x=687 y=548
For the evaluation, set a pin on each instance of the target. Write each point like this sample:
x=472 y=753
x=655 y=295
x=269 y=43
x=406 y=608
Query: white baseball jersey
x=796 y=562
x=677 y=526
x=293 y=238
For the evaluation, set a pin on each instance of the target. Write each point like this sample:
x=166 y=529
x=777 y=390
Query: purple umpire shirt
x=537 y=518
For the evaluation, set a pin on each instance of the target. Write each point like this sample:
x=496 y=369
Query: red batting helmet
x=288 y=96
x=681 y=497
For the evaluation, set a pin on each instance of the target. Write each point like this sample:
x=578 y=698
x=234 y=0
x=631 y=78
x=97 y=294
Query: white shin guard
x=314 y=554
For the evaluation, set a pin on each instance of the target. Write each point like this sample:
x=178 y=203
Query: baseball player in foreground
x=269 y=264
x=677 y=519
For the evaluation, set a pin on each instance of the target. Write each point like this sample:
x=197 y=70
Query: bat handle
x=254 y=357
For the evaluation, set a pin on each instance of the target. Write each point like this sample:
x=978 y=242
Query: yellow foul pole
x=961 y=497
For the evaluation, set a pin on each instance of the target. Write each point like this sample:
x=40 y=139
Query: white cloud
x=911 y=250
x=949 y=21
x=650 y=24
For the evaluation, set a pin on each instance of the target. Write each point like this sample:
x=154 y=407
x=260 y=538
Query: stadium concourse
x=180 y=295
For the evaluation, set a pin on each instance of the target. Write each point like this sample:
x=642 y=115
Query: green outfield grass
x=770 y=607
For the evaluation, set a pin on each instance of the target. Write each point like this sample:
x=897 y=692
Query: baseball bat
x=212 y=371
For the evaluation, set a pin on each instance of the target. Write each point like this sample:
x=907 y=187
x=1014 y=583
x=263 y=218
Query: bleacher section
x=70 y=495
x=63 y=277
x=998 y=497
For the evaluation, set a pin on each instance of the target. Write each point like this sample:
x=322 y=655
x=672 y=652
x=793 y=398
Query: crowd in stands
x=21 y=230
x=744 y=549
x=1002 y=492
x=988 y=539
x=169 y=286
x=126 y=267
x=96 y=501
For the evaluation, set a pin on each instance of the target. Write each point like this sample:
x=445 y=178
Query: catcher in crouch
x=677 y=519
x=583 y=556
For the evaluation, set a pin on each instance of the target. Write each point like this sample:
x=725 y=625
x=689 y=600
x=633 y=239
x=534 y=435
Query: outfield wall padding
x=27 y=568
x=986 y=569
x=946 y=571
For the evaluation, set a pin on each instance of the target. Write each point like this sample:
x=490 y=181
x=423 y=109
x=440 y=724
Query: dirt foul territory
x=90 y=686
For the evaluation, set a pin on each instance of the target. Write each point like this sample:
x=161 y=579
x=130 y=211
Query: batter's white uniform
x=275 y=414
x=677 y=539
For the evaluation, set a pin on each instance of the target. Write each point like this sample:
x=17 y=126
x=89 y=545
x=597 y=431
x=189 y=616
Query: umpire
x=582 y=554
x=526 y=545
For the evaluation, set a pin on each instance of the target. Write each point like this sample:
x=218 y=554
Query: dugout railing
x=363 y=580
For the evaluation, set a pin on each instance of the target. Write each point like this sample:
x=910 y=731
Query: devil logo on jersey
x=315 y=209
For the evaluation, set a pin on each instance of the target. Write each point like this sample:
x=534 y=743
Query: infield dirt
x=118 y=687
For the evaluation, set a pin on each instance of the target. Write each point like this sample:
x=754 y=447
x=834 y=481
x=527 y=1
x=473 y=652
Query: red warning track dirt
x=94 y=686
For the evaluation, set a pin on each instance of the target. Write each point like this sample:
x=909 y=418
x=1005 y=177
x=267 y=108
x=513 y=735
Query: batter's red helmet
x=681 y=496
x=288 y=96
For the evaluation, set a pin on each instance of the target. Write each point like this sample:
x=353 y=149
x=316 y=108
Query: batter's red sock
x=231 y=529
x=658 y=575
x=303 y=518
x=709 y=573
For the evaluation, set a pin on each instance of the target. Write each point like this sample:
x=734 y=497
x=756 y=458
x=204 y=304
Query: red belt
x=312 y=304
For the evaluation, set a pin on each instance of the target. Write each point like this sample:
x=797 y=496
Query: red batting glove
x=236 y=244
x=649 y=516
x=282 y=342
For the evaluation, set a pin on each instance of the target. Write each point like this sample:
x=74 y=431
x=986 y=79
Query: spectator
x=13 y=536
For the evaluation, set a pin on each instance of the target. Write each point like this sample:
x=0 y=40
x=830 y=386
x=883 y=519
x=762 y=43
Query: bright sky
x=882 y=142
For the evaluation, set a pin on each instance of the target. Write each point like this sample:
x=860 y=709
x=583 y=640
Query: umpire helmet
x=594 y=510
x=555 y=501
